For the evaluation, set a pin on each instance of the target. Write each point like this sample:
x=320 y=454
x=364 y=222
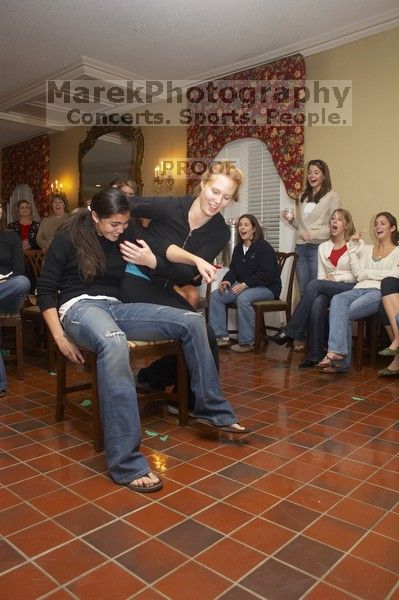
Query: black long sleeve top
x=11 y=253
x=60 y=279
x=169 y=225
x=256 y=268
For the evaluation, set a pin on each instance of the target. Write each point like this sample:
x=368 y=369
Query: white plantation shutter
x=260 y=194
x=264 y=191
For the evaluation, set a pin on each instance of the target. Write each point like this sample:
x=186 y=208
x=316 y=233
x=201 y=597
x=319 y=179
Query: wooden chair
x=367 y=328
x=138 y=349
x=266 y=306
x=13 y=321
x=31 y=314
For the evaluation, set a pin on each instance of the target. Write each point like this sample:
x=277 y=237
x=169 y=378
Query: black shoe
x=307 y=364
x=282 y=338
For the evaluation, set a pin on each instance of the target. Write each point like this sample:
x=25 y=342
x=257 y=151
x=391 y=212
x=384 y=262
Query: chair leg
x=182 y=388
x=98 y=435
x=259 y=330
x=19 y=350
x=51 y=353
x=61 y=386
x=359 y=344
x=374 y=331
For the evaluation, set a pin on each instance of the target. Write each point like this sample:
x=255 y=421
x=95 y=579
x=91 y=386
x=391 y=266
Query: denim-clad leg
x=306 y=266
x=151 y=322
x=297 y=326
x=13 y=293
x=347 y=307
x=317 y=327
x=91 y=325
x=246 y=313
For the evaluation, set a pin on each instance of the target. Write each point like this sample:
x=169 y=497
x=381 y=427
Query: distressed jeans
x=347 y=307
x=245 y=312
x=103 y=326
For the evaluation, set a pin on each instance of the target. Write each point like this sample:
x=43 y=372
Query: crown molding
x=339 y=37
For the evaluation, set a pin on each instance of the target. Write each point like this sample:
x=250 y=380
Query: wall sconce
x=57 y=188
x=163 y=180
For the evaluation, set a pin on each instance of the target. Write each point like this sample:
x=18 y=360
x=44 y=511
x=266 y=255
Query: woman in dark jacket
x=253 y=275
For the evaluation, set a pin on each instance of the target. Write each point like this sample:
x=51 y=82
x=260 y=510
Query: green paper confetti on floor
x=357 y=398
x=163 y=438
x=151 y=433
x=86 y=403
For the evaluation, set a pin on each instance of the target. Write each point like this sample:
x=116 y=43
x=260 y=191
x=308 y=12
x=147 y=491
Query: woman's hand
x=305 y=235
x=224 y=285
x=138 y=253
x=288 y=214
x=68 y=349
x=330 y=277
x=207 y=271
x=357 y=236
x=238 y=288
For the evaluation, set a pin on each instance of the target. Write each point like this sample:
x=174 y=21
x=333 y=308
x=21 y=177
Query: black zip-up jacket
x=11 y=253
x=169 y=225
x=256 y=268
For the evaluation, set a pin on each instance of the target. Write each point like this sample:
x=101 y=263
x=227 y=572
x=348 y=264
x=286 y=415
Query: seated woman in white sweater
x=334 y=276
x=371 y=264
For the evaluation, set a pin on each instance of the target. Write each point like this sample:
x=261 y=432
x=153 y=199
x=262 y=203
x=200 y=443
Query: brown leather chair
x=138 y=350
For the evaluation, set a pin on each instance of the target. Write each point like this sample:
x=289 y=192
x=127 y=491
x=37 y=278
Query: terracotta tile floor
x=305 y=507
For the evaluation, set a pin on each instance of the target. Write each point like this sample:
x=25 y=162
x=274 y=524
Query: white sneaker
x=173 y=410
x=242 y=348
x=223 y=342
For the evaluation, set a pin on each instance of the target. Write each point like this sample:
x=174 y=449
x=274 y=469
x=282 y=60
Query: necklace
x=379 y=254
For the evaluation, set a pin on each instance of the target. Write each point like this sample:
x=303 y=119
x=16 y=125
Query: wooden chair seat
x=138 y=349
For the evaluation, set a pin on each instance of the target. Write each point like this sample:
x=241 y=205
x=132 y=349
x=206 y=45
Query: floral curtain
x=285 y=142
x=28 y=162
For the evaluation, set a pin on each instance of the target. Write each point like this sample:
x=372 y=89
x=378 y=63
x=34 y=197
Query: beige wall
x=363 y=158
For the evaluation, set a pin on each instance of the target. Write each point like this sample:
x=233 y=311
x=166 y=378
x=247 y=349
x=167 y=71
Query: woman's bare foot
x=148 y=483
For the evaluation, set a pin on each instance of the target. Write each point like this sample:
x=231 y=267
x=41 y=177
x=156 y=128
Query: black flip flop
x=225 y=428
x=145 y=489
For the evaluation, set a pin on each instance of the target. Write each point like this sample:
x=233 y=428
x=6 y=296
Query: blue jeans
x=245 y=312
x=13 y=292
x=103 y=327
x=309 y=315
x=344 y=308
x=306 y=267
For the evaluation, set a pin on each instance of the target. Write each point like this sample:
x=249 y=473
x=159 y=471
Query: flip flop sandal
x=388 y=373
x=225 y=428
x=389 y=352
x=145 y=489
x=328 y=362
x=333 y=370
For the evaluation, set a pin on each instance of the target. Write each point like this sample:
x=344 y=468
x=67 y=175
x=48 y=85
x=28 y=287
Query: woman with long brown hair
x=83 y=268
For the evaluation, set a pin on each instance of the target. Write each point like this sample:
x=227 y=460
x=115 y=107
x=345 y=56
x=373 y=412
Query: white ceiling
x=160 y=39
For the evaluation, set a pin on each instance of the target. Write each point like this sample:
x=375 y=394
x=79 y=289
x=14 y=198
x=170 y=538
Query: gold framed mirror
x=109 y=153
